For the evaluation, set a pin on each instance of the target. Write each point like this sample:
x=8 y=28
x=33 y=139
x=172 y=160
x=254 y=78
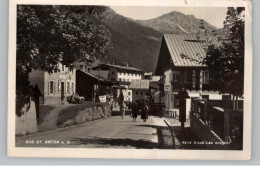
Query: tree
x=226 y=61
x=49 y=35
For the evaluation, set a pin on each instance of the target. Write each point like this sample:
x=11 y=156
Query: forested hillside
x=138 y=42
x=132 y=43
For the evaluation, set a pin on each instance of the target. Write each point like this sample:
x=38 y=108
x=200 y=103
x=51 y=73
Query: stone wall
x=89 y=114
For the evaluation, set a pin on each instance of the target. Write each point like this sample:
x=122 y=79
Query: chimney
x=125 y=64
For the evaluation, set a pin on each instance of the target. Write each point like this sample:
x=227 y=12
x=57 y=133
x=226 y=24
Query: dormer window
x=81 y=67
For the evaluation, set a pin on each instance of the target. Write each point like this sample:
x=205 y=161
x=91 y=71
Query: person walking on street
x=134 y=111
x=144 y=111
x=122 y=109
x=121 y=103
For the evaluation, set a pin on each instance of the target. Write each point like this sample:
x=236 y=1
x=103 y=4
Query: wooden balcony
x=176 y=86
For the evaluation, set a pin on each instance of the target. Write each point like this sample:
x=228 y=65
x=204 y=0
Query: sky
x=213 y=15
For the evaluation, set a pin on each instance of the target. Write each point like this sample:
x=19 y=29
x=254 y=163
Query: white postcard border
x=133 y=153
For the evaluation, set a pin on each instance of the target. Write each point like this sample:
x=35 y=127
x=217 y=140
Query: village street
x=113 y=132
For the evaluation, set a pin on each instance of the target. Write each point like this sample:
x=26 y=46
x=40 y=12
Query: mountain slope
x=176 y=23
x=132 y=43
x=137 y=42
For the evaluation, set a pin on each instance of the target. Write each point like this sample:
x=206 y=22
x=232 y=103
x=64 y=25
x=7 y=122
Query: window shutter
x=49 y=87
x=72 y=87
x=65 y=86
x=54 y=87
x=68 y=87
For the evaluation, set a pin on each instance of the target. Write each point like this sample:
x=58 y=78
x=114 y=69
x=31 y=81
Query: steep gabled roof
x=102 y=73
x=95 y=77
x=182 y=46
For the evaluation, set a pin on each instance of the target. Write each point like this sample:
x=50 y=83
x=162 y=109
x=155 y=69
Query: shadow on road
x=117 y=113
x=162 y=144
x=188 y=135
x=139 y=144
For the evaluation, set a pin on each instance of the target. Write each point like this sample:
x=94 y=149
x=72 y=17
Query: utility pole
x=201 y=79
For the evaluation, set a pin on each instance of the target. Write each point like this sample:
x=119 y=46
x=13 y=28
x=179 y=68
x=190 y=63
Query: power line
x=214 y=14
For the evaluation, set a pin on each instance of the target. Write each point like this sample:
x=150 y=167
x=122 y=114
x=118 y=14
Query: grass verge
x=43 y=111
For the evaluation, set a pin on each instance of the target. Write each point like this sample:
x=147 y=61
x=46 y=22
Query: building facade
x=140 y=90
x=92 y=87
x=180 y=63
x=123 y=75
x=55 y=87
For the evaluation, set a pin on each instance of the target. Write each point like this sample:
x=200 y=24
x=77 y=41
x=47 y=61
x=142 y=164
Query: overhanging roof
x=187 y=45
x=140 y=84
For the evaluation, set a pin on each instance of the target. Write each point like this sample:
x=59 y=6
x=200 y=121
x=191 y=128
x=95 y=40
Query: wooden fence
x=218 y=116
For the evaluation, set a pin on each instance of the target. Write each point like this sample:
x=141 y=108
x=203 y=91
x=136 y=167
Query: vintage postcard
x=130 y=79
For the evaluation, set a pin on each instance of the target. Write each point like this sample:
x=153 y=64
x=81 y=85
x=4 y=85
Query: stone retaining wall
x=89 y=114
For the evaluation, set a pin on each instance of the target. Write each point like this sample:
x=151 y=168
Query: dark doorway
x=62 y=91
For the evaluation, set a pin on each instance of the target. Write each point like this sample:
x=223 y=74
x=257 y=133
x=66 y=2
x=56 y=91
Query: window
x=81 y=67
x=142 y=93
x=205 y=77
x=85 y=68
x=120 y=79
x=59 y=85
x=187 y=76
x=205 y=96
x=68 y=87
x=112 y=72
x=136 y=93
x=52 y=87
x=147 y=93
x=129 y=93
x=63 y=67
x=175 y=76
x=72 y=87
x=226 y=97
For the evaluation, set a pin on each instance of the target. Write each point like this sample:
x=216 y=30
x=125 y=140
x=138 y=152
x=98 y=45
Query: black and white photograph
x=146 y=78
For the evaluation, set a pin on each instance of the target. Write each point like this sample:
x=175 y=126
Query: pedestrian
x=122 y=109
x=129 y=106
x=144 y=111
x=111 y=105
x=135 y=110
